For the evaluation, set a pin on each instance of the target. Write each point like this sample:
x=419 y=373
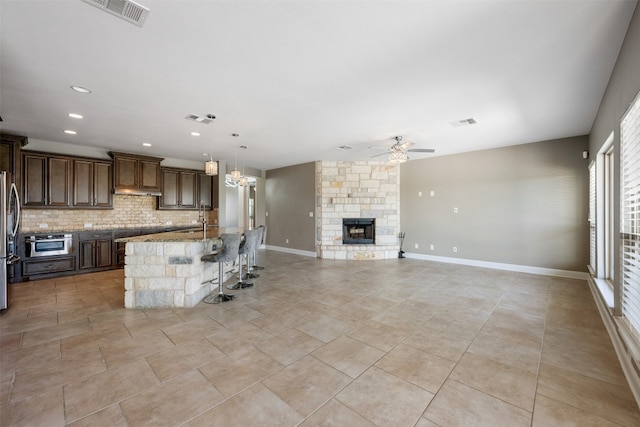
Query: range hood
x=136 y=192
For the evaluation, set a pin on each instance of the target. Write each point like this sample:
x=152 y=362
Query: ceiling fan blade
x=422 y=150
x=404 y=146
x=381 y=154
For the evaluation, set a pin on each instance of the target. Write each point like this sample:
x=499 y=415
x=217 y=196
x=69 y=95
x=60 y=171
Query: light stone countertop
x=188 y=235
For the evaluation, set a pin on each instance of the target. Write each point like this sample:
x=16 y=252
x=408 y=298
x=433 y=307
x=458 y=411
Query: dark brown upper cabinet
x=208 y=190
x=46 y=181
x=10 y=148
x=185 y=189
x=55 y=181
x=92 y=184
x=134 y=174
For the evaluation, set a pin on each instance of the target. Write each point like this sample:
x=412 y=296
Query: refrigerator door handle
x=14 y=193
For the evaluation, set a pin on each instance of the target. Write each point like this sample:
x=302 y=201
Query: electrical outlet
x=416 y=246
x=455 y=249
x=266 y=213
x=432 y=247
x=169 y=222
x=433 y=193
x=43 y=225
x=286 y=241
x=311 y=214
x=88 y=225
x=419 y=193
x=455 y=210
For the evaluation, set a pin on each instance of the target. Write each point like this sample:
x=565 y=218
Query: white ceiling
x=297 y=79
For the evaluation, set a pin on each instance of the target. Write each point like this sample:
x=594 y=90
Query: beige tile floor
x=316 y=343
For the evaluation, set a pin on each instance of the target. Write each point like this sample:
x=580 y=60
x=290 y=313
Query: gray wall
x=524 y=205
x=623 y=86
x=290 y=196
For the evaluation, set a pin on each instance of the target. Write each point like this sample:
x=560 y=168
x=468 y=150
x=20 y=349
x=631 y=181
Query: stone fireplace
x=357 y=190
x=358 y=231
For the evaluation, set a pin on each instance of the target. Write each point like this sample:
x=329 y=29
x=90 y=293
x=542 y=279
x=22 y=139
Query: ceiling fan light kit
x=398 y=151
x=398 y=157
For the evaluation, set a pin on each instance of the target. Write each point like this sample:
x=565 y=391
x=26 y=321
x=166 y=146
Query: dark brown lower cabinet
x=95 y=250
x=36 y=266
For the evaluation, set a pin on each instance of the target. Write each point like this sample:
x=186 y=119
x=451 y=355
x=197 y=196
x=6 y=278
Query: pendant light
x=211 y=167
x=244 y=181
x=235 y=173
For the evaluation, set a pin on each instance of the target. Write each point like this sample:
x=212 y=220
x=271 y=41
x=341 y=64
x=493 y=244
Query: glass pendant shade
x=235 y=175
x=244 y=181
x=211 y=168
x=398 y=157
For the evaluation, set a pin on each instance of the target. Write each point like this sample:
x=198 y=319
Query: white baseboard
x=502 y=266
x=291 y=251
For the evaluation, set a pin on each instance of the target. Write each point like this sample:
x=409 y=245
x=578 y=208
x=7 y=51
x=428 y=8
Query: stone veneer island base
x=164 y=270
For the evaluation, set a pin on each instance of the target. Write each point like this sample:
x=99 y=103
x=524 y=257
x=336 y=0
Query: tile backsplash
x=128 y=212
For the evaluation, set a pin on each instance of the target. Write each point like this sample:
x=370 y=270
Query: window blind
x=630 y=212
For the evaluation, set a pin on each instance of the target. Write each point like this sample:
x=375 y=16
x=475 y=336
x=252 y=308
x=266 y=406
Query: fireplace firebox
x=358 y=231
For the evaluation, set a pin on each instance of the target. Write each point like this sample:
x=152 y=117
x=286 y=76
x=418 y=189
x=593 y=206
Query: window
x=609 y=215
x=630 y=221
x=593 y=260
x=602 y=220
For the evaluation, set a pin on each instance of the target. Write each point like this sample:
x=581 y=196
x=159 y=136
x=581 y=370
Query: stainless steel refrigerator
x=9 y=222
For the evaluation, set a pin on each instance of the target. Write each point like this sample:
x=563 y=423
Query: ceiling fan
x=398 y=151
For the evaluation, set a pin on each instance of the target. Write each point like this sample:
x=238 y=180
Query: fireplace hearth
x=358 y=231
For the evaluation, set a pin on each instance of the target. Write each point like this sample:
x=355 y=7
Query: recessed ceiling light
x=205 y=154
x=70 y=132
x=146 y=144
x=344 y=147
x=80 y=89
x=195 y=133
x=75 y=116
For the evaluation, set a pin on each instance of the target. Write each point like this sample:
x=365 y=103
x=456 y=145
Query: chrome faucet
x=202 y=218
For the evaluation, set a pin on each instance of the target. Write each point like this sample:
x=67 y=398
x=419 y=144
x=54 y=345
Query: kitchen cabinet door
x=82 y=183
x=149 y=178
x=92 y=184
x=87 y=255
x=207 y=189
x=179 y=189
x=188 y=190
x=96 y=250
x=136 y=174
x=10 y=149
x=170 y=191
x=102 y=182
x=59 y=177
x=126 y=172
x=103 y=253
x=34 y=180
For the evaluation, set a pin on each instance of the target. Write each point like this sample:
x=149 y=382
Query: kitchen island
x=164 y=270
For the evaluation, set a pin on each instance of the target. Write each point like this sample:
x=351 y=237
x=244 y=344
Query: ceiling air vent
x=464 y=122
x=125 y=9
x=205 y=120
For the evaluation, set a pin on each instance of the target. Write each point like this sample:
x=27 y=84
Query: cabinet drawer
x=95 y=235
x=51 y=265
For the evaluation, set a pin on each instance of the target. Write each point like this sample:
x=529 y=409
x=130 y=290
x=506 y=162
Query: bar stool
x=250 y=242
x=251 y=258
x=263 y=239
x=231 y=245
